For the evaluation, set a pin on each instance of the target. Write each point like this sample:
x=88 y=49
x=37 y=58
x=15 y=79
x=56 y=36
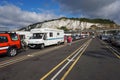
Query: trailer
x=45 y=37
x=24 y=35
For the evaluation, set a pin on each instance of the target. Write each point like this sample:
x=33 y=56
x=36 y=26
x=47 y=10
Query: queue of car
x=11 y=42
x=116 y=40
x=113 y=39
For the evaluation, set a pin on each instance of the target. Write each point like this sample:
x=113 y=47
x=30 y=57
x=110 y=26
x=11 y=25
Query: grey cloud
x=92 y=8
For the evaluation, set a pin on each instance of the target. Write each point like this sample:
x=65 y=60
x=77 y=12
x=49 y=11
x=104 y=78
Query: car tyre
x=12 y=52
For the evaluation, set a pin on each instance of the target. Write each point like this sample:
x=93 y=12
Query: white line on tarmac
x=70 y=60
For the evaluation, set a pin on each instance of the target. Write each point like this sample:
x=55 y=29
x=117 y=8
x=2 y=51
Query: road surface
x=85 y=59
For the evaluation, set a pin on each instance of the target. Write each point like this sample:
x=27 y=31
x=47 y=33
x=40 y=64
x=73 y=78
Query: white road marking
x=30 y=55
x=69 y=60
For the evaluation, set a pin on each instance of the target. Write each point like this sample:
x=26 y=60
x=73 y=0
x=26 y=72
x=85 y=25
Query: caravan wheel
x=58 y=43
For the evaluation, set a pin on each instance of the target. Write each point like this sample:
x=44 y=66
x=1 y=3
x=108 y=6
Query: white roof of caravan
x=23 y=32
x=45 y=30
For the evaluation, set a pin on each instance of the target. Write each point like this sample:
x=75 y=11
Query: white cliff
x=68 y=23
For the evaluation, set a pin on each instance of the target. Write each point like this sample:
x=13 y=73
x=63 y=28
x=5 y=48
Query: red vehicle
x=9 y=43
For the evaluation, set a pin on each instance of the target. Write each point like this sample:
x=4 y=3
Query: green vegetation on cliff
x=97 y=20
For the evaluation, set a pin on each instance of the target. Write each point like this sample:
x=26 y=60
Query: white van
x=45 y=37
x=25 y=35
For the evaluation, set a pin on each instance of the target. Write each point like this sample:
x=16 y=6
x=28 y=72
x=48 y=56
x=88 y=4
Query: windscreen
x=37 y=36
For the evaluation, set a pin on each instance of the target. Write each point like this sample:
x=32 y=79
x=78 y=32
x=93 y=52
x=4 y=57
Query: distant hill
x=73 y=24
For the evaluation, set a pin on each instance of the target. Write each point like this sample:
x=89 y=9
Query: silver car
x=104 y=37
x=116 y=40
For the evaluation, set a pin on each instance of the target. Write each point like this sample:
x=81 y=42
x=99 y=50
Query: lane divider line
x=13 y=62
x=45 y=76
x=24 y=57
x=71 y=67
x=115 y=52
x=20 y=58
x=59 y=65
x=70 y=60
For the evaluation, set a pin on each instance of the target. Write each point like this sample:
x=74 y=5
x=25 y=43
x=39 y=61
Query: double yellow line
x=115 y=52
x=12 y=61
x=81 y=49
x=71 y=67
x=24 y=57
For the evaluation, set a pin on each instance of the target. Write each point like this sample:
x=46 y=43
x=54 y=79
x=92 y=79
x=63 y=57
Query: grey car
x=104 y=37
x=115 y=40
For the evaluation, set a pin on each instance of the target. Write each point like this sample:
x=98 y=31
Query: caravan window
x=22 y=36
x=37 y=36
x=51 y=34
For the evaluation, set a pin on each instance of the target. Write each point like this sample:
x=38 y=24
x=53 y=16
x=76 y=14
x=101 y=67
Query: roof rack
x=7 y=32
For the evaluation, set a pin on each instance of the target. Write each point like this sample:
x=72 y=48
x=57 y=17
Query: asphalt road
x=86 y=59
x=97 y=63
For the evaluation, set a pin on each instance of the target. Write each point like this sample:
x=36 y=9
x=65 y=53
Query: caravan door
x=50 y=39
x=45 y=39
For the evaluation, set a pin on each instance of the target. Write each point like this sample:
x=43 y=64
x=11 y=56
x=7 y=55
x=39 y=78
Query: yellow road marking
x=21 y=58
x=118 y=56
x=17 y=59
x=12 y=62
x=24 y=57
x=45 y=76
x=113 y=52
x=58 y=65
x=71 y=67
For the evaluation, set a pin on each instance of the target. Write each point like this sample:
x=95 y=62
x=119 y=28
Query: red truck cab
x=9 y=43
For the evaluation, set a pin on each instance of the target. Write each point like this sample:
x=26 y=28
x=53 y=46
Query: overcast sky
x=108 y=9
x=20 y=13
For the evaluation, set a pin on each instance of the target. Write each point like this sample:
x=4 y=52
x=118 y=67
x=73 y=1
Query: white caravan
x=25 y=35
x=45 y=37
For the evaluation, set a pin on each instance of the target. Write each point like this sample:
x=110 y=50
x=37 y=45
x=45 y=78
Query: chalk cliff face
x=68 y=23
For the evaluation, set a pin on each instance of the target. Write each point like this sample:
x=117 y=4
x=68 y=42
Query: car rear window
x=3 y=39
x=14 y=37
